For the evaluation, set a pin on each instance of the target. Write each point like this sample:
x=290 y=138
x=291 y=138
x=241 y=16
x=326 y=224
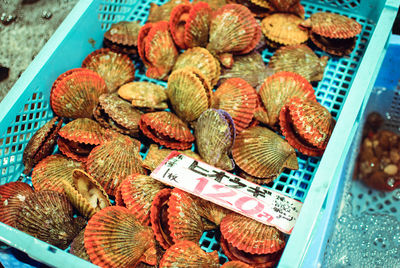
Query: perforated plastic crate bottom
x=347 y=80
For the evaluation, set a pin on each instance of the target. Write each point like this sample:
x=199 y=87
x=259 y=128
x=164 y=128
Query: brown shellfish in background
x=122 y=37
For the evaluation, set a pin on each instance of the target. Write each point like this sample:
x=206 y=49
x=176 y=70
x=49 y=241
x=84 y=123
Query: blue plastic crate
x=347 y=80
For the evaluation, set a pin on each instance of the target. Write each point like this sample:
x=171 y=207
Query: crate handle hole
x=52 y=250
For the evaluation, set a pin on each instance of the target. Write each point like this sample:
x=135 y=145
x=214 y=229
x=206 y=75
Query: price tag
x=232 y=192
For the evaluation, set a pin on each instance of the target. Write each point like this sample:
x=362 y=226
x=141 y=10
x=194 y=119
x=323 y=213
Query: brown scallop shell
x=159 y=13
x=50 y=173
x=251 y=236
x=117 y=114
x=188 y=254
x=284 y=29
x=299 y=59
x=77 y=93
x=248 y=177
x=197 y=25
x=262 y=3
x=113 y=160
x=155 y=156
x=232 y=29
x=86 y=194
x=159 y=218
x=47 y=215
x=280 y=87
x=138 y=191
x=41 y=144
x=262 y=153
x=189 y=93
x=334 y=46
x=288 y=6
x=144 y=95
x=116 y=69
x=114 y=238
x=201 y=59
x=235 y=264
x=332 y=25
x=239 y=99
x=166 y=129
x=123 y=33
x=177 y=22
x=78 y=246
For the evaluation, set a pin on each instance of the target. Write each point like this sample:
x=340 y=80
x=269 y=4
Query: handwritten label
x=230 y=191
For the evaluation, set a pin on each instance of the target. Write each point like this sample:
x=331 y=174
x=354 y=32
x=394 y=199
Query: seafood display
x=218 y=102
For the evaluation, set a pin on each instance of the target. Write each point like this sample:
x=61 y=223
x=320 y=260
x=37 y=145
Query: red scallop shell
x=114 y=238
x=197 y=25
x=142 y=40
x=177 y=22
x=159 y=218
x=235 y=264
x=83 y=130
x=254 y=42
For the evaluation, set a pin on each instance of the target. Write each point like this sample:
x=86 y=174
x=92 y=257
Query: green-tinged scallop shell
x=262 y=153
x=144 y=95
x=123 y=33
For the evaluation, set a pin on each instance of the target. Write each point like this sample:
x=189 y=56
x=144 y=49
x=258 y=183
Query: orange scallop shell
x=235 y=264
x=177 y=22
x=262 y=153
x=159 y=13
x=138 y=191
x=142 y=40
x=114 y=238
x=213 y=4
x=280 y=87
x=110 y=162
x=50 y=173
x=238 y=98
x=116 y=69
x=188 y=254
x=76 y=94
x=197 y=25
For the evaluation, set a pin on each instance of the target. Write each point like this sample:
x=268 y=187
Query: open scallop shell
x=197 y=25
x=78 y=246
x=188 y=254
x=299 y=59
x=50 y=173
x=189 y=92
x=262 y=153
x=177 y=22
x=215 y=134
x=76 y=94
x=114 y=238
x=201 y=59
x=280 y=87
x=334 y=46
x=47 y=215
x=116 y=69
x=284 y=29
x=144 y=95
x=41 y=144
x=238 y=98
x=113 y=160
x=138 y=191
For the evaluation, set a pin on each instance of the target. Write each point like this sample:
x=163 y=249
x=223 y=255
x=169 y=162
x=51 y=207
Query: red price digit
x=219 y=196
x=201 y=185
x=243 y=200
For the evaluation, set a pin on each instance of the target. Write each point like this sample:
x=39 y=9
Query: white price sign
x=232 y=192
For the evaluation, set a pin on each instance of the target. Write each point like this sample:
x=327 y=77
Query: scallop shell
x=77 y=94
x=116 y=69
x=280 y=87
x=255 y=41
x=332 y=25
x=189 y=93
x=138 y=191
x=232 y=29
x=177 y=22
x=250 y=68
x=160 y=51
x=144 y=95
x=188 y=254
x=235 y=264
x=197 y=25
x=123 y=33
x=288 y=6
x=248 y=177
x=41 y=144
x=215 y=135
x=86 y=194
x=284 y=29
x=262 y=153
x=159 y=218
x=47 y=215
x=50 y=173
x=239 y=99
x=167 y=129
x=12 y=188
x=110 y=162
x=213 y=4
x=114 y=238
x=263 y=3
x=118 y=114
x=251 y=236
x=299 y=59
x=142 y=40
x=334 y=46
x=155 y=156
x=201 y=59
x=78 y=246
x=159 y=13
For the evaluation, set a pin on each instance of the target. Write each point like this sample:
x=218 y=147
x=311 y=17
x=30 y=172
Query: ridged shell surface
x=78 y=246
x=197 y=25
x=124 y=33
x=144 y=95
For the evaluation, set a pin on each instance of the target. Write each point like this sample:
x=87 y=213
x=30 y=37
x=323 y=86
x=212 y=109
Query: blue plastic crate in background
x=347 y=80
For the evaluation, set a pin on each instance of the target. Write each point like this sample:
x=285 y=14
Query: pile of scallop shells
x=221 y=105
